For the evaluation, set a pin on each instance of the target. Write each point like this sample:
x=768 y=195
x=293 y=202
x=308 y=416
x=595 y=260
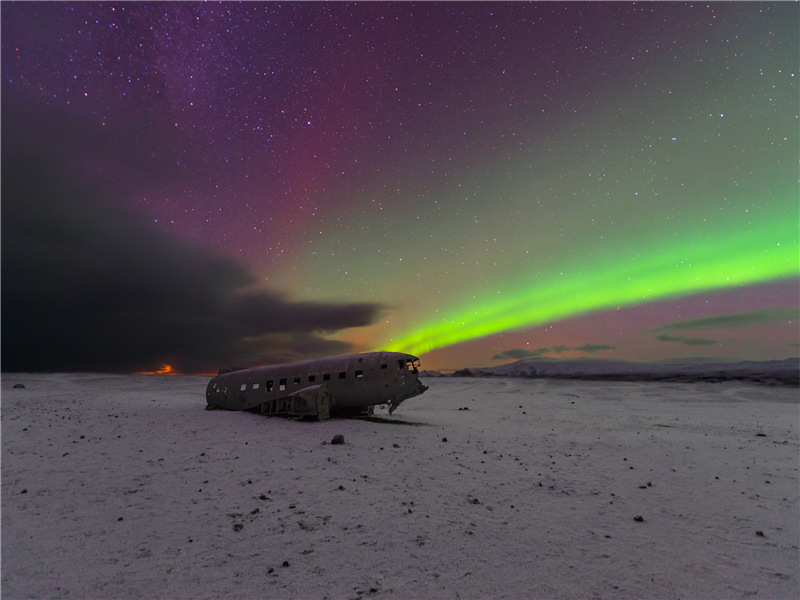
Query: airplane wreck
x=341 y=385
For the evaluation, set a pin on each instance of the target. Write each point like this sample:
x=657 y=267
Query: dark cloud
x=522 y=353
x=765 y=316
x=594 y=348
x=90 y=286
x=688 y=341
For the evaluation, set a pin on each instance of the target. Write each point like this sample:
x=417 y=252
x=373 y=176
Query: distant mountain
x=774 y=372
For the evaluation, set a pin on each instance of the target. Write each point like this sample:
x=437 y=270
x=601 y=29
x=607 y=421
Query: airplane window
x=312 y=378
x=243 y=387
x=359 y=374
x=401 y=364
x=326 y=377
x=269 y=386
x=343 y=375
x=283 y=385
x=384 y=366
x=256 y=385
x=297 y=381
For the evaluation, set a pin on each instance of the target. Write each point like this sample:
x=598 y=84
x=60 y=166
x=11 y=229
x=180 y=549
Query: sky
x=213 y=184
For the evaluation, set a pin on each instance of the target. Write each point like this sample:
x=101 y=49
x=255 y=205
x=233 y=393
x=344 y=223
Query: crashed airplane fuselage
x=349 y=384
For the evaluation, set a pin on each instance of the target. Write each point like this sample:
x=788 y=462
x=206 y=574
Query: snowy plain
x=125 y=487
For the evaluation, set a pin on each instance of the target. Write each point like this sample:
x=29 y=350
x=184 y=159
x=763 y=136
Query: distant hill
x=774 y=372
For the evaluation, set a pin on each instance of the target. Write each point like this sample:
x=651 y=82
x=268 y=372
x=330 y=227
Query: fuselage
x=352 y=382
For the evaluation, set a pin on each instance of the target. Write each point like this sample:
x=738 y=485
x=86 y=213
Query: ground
x=124 y=487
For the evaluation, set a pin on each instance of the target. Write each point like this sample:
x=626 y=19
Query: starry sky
x=205 y=184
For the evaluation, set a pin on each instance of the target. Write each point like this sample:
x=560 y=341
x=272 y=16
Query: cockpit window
x=410 y=364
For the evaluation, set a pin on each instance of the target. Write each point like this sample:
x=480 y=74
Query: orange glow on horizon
x=164 y=370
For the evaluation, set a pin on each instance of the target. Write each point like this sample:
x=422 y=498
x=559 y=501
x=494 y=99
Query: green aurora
x=742 y=255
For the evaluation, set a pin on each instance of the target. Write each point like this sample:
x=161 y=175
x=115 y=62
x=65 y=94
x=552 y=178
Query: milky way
x=467 y=181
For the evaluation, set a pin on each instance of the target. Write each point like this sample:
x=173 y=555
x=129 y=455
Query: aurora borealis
x=470 y=182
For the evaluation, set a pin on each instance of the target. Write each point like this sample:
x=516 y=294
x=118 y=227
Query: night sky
x=199 y=185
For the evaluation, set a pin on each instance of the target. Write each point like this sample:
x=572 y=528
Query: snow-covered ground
x=124 y=487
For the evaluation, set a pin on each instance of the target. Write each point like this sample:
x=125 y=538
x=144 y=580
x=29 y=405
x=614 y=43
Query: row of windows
x=282 y=383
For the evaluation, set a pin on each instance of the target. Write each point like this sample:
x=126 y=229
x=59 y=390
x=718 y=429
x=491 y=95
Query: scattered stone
x=757 y=435
x=338 y=439
x=119 y=519
x=760 y=533
x=474 y=501
x=395 y=445
x=638 y=518
x=285 y=563
x=25 y=491
x=19 y=386
x=444 y=439
x=238 y=526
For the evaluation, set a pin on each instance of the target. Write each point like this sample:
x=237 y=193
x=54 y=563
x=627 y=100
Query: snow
x=124 y=487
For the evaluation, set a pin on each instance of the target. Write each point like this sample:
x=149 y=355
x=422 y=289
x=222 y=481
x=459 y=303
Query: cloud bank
x=765 y=316
x=688 y=341
x=88 y=286
x=522 y=353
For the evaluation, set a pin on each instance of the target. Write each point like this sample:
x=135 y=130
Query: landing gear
x=324 y=401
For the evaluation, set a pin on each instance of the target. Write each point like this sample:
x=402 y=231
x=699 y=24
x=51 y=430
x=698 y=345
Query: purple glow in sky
x=204 y=184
